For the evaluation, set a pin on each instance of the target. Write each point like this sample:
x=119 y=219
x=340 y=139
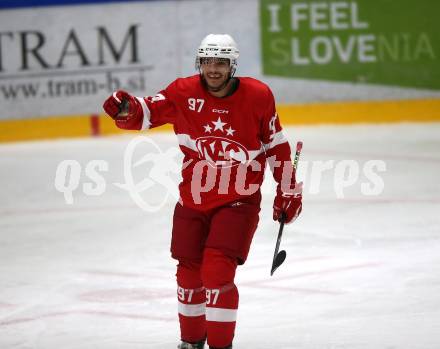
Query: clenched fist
x=288 y=205
x=121 y=106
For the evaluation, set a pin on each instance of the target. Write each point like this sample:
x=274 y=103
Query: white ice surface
x=361 y=271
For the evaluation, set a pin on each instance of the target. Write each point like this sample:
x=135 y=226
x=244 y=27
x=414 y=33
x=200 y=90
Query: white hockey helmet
x=220 y=46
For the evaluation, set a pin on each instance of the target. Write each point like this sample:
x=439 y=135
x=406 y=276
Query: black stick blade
x=278 y=260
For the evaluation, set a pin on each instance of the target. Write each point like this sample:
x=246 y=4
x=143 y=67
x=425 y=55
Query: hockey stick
x=279 y=257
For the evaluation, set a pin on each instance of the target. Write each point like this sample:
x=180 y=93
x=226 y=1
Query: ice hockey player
x=228 y=129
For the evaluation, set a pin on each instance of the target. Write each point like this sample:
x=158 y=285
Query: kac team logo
x=221 y=152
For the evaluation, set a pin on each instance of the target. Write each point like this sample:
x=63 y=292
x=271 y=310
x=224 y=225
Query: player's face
x=215 y=72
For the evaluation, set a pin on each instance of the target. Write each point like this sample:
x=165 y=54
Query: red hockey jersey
x=225 y=141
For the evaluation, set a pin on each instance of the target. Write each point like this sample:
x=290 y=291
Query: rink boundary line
x=7 y=305
x=127 y=275
x=119 y=274
x=373 y=112
x=294 y=289
x=124 y=295
x=87 y=313
x=252 y=284
x=377 y=156
x=69 y=209
x=293 y=260
x=262 y=283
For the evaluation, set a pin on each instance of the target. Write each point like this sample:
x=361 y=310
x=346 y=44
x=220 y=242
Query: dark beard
x=214 y=89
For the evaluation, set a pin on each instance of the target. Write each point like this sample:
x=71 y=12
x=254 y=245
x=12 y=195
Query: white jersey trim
x=254 y=153
x=191 y=310
x=278 y=138
x=146 y=124
x=187 y=141
x=221 y=315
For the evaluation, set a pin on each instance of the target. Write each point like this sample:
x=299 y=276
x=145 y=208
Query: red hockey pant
x=209 y=246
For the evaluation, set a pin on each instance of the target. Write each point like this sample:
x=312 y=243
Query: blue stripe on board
x=5 y=4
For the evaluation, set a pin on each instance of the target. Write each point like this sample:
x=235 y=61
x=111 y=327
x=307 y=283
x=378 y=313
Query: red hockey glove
x=289 y=204
x=121 y=106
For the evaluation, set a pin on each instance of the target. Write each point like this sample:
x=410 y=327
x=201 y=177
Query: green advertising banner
x=385 y=42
